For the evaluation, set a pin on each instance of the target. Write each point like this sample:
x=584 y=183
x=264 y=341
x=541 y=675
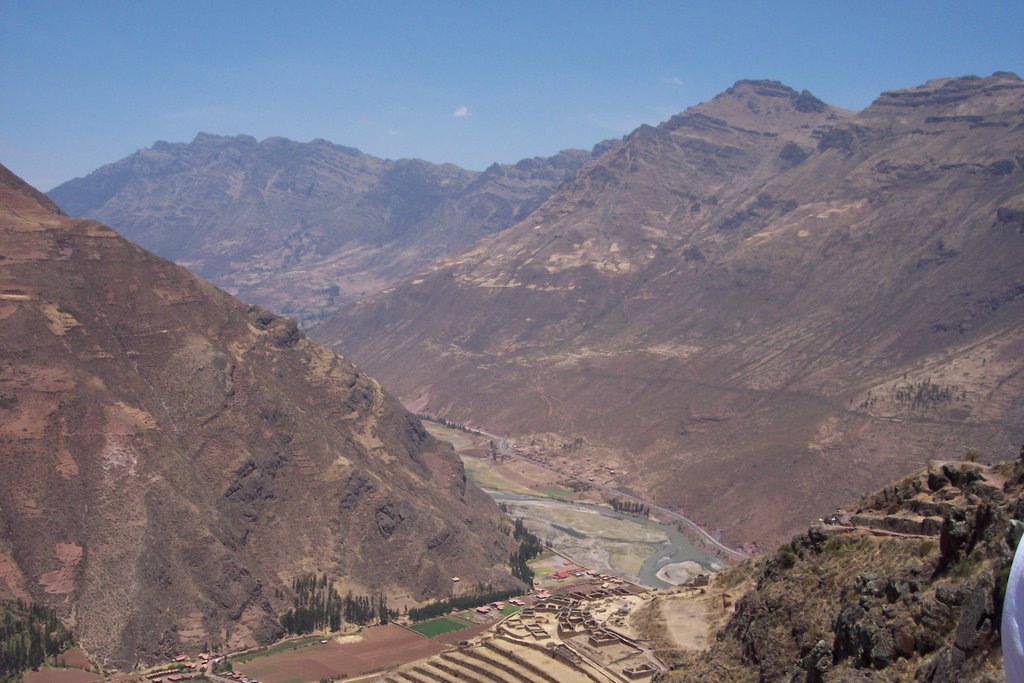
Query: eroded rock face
x=171 y=457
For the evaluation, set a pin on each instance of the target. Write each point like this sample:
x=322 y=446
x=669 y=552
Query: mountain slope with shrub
x=172 y=459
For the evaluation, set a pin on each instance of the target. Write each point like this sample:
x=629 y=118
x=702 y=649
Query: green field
x=278 y=647
x=436 y=627
x=556 y=493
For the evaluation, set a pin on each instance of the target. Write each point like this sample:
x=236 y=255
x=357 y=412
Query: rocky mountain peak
x=965 y=95
x=17 y=186
x=760 y=105
x=210 y=139
x=764 y=88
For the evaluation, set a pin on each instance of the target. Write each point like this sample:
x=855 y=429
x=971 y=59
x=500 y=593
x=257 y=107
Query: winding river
x=627 y=545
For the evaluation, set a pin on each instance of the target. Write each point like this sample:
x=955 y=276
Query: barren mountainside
x=303 y=228
x=172 y=458
x=753 y=311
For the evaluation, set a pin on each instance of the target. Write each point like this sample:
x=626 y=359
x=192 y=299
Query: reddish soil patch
x=381 y=647
x=45 y=675
x=76 y=658
x=63 y=580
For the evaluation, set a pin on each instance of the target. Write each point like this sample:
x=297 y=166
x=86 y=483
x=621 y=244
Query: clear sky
x=87 y=82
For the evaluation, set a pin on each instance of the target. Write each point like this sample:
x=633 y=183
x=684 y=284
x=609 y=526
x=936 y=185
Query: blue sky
x=85 y=83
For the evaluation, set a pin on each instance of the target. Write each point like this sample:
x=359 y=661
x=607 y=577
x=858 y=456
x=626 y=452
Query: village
x=574 y=626
x=576 y=631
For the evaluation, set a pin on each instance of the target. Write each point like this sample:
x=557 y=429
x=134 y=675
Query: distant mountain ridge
x=743 y=311
x=172 y=458
x=303 y=228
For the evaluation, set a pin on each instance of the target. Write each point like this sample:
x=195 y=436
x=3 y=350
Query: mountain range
x=173 y=459
x=304 y=228
x=751 y=312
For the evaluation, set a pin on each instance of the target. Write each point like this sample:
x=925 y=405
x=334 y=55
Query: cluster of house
x=485 y=609
x=574 y=570
x=185 y=669
x=572 y=620
x=499 y=605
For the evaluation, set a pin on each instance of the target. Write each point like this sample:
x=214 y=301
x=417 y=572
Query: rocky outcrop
x=842 y=604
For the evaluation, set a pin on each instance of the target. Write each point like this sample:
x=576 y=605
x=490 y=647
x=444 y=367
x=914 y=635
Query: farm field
x=435 y=627
x=380 y=647
x=74 y=658
x=283 y=646
x=57 y=675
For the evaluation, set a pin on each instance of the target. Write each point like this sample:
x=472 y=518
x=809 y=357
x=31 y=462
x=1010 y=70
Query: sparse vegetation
x=924 y=394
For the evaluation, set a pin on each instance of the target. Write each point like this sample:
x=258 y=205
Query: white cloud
x=674 y=80
x=394 y=131
x=461 y=112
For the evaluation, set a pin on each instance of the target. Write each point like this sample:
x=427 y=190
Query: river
x=634 y=547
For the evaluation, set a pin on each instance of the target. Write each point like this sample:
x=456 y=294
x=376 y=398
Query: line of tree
x=448 y=423
x=363 y=609
x=924 y=393
x=467 y=601
x=29 y=634
x=634 y=507
x=529 y=548
x=318 y=606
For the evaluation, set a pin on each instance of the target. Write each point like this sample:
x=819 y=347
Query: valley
x=579 y=523
x=905 y=581
x=751 y=312
x=609 y=392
